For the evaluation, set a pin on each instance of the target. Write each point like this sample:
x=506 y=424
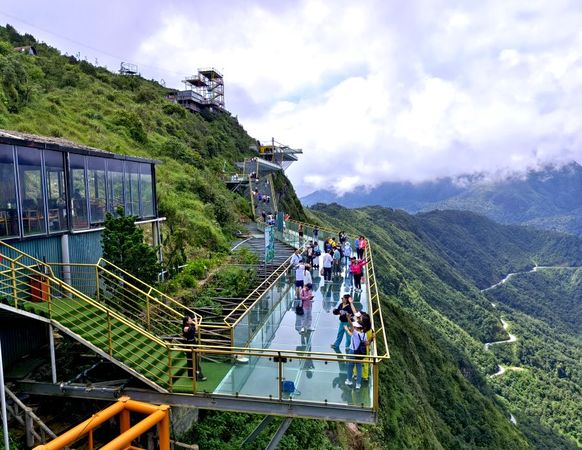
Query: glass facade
x=97 y=189
x=115 y=175
x=79 y=191
x=30 y=187
x=48 y=191
x=147 y=190
x=132 y=188
x=9 y=225
x=55 y=191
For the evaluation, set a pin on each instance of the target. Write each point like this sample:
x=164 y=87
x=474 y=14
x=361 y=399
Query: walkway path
x=314 y=380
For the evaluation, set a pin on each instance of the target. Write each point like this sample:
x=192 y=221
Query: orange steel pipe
x=141 y=407
x=124 y=440
x=83 y=428
x=124 y=421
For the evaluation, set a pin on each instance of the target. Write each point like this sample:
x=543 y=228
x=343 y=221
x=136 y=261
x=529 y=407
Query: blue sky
x=371 y=90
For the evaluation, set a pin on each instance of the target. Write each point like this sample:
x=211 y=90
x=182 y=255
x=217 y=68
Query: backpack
x=361 y=350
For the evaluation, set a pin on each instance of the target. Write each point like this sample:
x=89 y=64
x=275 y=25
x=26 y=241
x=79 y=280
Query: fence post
x=110 y=337
x=14 y=294
x=280 y=367
x=148 y=315
x=97 y=284
x=171 y=384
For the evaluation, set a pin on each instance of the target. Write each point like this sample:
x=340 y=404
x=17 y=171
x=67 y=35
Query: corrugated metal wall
x=85 y=248
x=20 y=336
x=47 y=248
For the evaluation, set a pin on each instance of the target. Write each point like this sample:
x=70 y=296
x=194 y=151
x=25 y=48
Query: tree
x=123 y=245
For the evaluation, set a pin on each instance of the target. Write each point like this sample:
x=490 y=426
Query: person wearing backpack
x=358 y=348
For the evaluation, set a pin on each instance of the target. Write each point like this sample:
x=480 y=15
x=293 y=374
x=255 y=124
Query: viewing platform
x=248 y=373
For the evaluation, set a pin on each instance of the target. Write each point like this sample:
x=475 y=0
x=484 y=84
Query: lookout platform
x=268 y=343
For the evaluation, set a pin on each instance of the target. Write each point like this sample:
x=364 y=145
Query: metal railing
x=291 y=235
x=31 y=285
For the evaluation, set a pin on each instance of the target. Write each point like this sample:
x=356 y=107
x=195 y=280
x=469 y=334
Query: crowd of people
x=337 y=260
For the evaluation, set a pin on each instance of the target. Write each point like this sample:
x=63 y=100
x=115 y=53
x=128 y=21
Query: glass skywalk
x=320 y=377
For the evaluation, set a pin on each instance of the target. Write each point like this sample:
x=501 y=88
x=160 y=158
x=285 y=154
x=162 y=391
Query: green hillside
x=429 y=264
x=54 y=95
x=434 y=391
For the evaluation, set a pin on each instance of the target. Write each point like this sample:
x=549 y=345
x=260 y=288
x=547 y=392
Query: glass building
x=50 y=187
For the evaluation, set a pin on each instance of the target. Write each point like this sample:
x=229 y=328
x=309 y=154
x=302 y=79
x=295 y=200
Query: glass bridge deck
x=317 y=378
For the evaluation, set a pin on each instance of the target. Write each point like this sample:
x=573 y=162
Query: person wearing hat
x=358 y=347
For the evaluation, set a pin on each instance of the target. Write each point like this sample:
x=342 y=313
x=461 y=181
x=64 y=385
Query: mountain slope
x=548 y=198
x=428 y=265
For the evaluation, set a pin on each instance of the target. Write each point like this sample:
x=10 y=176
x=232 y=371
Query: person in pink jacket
x=357 y=270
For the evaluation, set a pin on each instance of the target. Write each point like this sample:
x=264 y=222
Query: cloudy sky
x=372 y=91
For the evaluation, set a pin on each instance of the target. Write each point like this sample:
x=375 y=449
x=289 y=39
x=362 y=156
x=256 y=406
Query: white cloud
x=374 y=91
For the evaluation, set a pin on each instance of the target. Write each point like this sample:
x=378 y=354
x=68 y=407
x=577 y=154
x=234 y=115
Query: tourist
x=357 y=270
x=296 y=258
x=361 y=247
x=357 y=348
x=327 y=264
x=306 y=301
x=316 y=234
x=345 y=311
x=347 y=253
x=299 y=279
x=189 y=335
x=307 y=280
x=316 y=255
x=300 y=233
x=337 y=259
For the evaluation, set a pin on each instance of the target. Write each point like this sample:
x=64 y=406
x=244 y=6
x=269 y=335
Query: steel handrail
x=152 y=289
x=375 y=295
x=266 y=281
x=71 y=290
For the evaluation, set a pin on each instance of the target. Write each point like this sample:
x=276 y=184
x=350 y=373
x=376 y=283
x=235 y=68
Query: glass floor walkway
x=318 y=377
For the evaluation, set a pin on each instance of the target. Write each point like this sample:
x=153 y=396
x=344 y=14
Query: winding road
x=512 y=338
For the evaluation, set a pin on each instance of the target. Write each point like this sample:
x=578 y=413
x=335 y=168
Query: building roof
x=59 y=144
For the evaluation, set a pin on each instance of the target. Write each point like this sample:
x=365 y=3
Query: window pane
x=132 y=188
x=115 y=186
x=30 y=175
x=78 y=192
x=55 y=188
x=8 y=210
x=97 y=193
x=147 y=191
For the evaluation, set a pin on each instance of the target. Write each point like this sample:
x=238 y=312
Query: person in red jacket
x=361 y=247
x=357 y=270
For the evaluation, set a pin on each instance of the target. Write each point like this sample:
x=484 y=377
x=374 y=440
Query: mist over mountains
x=549 y=198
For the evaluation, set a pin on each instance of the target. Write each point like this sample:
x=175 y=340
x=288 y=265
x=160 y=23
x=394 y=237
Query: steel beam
x=289 y=408
x=279 y=433
x=258 y=430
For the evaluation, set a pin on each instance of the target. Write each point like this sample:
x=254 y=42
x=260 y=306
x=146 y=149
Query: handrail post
x=148 y=315
x=50 y=303
x=14 y=294
x=171 y=382
x=375 y=380
x=97 y=284
x=196 y=369
x=280 y=367
x=110 y=337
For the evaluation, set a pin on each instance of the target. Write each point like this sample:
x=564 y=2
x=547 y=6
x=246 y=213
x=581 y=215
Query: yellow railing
x=163 y=363
x=376 y=309
x=33 y=287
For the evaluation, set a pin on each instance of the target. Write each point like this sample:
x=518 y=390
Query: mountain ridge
x=547 y=198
